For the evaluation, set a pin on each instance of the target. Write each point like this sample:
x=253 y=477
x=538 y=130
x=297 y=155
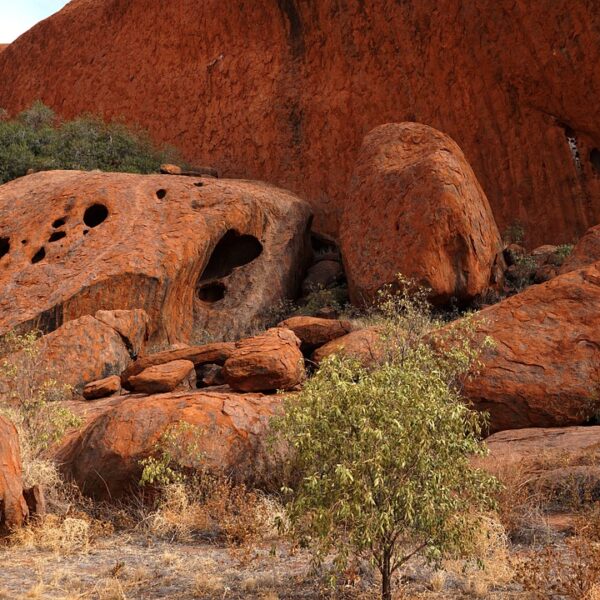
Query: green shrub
x=37 y=140
x=381 y=456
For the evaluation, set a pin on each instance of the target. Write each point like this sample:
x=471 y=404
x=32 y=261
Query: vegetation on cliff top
x=37 y=140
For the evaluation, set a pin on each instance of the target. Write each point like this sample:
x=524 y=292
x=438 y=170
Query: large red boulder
x=198 y=255
x=267 y=362
x=163 y=378
x=545 y=360
x=364 y=345
x=284 y=91
x=227 y=431
x=314 y=332
x=415 y=208
x=13 y=508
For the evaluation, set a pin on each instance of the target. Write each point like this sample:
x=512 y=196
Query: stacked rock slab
x=195 y=253
x=415 y=208
x=314 y=332
x=228 y=431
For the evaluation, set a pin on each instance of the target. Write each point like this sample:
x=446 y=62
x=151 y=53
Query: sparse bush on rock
x=37 y=140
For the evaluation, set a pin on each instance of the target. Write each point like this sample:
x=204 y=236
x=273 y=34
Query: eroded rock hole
x=39 y=256
x=212 y=292
x=160 y=194
x=233 y=250
x=59 y=222
x=95 y=215
x=199 y=184
x=57 y=235
x=4 y=246
x=595 y=160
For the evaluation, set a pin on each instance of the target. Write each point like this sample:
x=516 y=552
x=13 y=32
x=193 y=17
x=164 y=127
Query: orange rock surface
x=314 y=332
x=415 y=208
x=545 y=362
x=203 y=254
x=364 y=345
x=267 y=362
x=161 y=378
x=228 y=430
x=284 y=91
x=13 y=508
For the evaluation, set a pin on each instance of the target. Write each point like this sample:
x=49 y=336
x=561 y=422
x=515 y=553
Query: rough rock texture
x=364 y=345
x=13 y=508
x=102 y=388
x=104 y=457
x=322 y=275
x=284 y=90
x=544 y=367
x=585 y=252
x=161 y=378
x=85 y=350
x=527 y=443
x=314 y=332
x=211 y=257
x=415 y=207
x=271 y=361
x=216 y=353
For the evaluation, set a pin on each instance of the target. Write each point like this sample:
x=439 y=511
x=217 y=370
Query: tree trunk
x=386 y=575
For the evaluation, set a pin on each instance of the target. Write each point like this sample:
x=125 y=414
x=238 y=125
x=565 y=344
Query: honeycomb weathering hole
x=212 y=292
x=59 y=222
x=595 y=160
x=57 y=235
x=160 y=194
x=4 y=246
x=95 y=215
x=233 y=250
x=39 y=256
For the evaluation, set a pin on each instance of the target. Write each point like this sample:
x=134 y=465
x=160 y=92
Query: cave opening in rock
x=57 y=235
x=39 y=256
x=95 y=215
x=160 y=194
x=212 y=292
x=59 y=222
x=595 y=160
x=4 y=246
x=233 y=250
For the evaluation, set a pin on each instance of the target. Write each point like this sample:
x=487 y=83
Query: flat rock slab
x=161 y=378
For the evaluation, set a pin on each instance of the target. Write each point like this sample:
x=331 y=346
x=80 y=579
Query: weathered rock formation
x=84 y=350
x=284 y=90
x=102 y=388
x=13 y=508
x=227 y=429
x=364 y=345
x=585 y=252
x=415 y=208
x=267 y=362
x=544 y=367
x=314 y=332
x=160 y=379
x=197 y=254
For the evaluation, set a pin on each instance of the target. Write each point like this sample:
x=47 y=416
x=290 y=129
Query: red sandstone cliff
x=285 y=90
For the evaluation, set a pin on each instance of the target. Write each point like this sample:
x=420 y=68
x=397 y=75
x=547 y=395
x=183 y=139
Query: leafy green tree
x=381 y=454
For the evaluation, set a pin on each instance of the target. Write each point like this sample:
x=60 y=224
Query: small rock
x=314 y=332
x=322 y=275
x=364 y=345
x=545 y=273
x=102 y=388
x=268 y=362
x=160 y=379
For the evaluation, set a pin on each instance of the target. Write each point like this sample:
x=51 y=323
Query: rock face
x=364 y=345
x=87 y=349
x=161 y=378
x=544 y=367
x=227 y=428
x=415 y=207
x=284 y=91
x=203 y=254
x=267 y=362
x=13 y=508
x=586 y=251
